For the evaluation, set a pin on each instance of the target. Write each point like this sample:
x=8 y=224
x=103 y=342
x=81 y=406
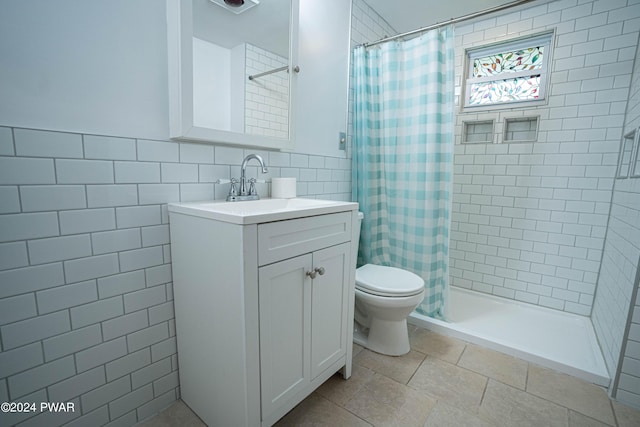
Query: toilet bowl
x=385 y=296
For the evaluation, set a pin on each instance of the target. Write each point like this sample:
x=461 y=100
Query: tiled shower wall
x=616 y=309
x=616 y=302
x=529 y=219
x=267 y=97
x=86 y=313
x=366 y=26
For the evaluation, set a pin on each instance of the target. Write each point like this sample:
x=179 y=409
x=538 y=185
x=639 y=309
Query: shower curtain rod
x=266 y=73
x=450 y=21
x=275 y=70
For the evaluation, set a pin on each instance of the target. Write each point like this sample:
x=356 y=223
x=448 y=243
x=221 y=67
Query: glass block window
x=507 y=73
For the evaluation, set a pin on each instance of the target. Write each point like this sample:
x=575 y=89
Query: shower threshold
x=554 y=339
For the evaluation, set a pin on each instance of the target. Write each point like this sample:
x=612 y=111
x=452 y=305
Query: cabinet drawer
x=286 y=239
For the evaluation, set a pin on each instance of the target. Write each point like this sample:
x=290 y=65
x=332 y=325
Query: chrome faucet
x=251 y=193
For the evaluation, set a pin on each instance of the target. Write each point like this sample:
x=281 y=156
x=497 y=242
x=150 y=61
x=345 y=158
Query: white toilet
x=385 y=296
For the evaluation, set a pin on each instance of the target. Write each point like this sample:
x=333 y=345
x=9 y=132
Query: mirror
x=229 y=71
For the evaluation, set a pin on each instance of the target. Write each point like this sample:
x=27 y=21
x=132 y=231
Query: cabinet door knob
x=319 y=270
x=311 y=274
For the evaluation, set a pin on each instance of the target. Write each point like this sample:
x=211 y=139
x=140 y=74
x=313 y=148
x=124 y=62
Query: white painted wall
x=97 y=67
x=212 y=78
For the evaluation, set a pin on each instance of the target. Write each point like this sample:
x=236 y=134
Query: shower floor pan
x=551 y=338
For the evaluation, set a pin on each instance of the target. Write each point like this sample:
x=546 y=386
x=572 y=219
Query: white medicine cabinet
x=232 y=71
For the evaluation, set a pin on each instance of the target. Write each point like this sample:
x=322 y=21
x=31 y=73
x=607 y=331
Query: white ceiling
x=409 y=15
x=267 y=24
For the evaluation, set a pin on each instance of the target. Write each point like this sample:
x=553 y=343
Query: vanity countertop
x=263 y=210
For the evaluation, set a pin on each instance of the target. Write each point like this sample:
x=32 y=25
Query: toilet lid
x=388 y=281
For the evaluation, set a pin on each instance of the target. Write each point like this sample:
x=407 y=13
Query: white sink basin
x=264 y=210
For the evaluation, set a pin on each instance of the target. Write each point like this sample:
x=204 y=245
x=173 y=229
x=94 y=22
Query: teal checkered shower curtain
x=403 y=157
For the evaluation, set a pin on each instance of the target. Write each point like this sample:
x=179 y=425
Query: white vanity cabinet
x=263 y=310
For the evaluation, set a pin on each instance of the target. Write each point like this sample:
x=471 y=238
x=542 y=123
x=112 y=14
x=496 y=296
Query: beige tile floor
x=444 y=382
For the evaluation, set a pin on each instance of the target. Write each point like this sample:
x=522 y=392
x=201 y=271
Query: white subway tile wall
x=86 y=299
x=617 y=304
x=529 y=219
x=267 y=97
x=366 y=26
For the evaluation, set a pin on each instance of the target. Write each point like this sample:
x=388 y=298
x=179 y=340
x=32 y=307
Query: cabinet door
x=285 y=330
x=329 y=307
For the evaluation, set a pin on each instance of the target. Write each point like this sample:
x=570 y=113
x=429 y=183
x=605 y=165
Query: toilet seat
x=388 y=281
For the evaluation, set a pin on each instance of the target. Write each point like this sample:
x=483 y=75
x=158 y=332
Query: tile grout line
x=566 y=407
x=526 y=387
x=615 y=416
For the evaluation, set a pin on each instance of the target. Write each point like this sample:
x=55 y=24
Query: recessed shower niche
x=477 y=132
x=520 y=129
x=628 y=156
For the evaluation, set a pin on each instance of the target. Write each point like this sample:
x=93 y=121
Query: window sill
x=521 y=105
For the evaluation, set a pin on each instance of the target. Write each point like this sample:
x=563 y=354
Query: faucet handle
x=252 y=187
x=233 y=191
x=233 y=181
